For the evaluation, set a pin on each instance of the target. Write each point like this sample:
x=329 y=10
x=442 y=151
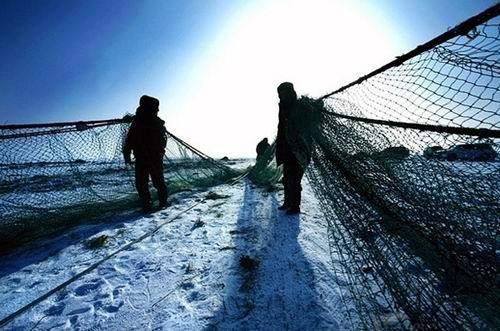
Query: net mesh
x=404 y=163
x=266 y=172
x=58 y=175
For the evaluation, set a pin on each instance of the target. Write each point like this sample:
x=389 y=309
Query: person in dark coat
x=262 y=148
x=146 y=138
x=286 y=149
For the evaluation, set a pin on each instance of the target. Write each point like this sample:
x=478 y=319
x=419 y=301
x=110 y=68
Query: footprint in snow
x=118 y=290
x=79 y=311
x=113 y=308
x=101 y=296
x=35 y=284
x=86 y=289
x=16 y=280
x=187 y=286
x=73 y=320
x=195 y=296
x=54 y=310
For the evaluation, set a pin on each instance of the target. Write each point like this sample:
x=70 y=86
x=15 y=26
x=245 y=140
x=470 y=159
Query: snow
x=186 y=276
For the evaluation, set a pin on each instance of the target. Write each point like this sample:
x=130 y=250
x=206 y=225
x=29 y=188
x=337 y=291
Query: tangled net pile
x=415 y=238
x=55 y=175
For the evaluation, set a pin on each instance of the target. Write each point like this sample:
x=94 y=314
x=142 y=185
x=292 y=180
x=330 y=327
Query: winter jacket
x=296 y=125
x=282 y=147
x=146 y=137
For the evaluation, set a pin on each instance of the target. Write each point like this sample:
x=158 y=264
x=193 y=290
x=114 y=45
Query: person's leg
x=286 y=186
x=159 y=181
x=141 y=183
x=296 y=173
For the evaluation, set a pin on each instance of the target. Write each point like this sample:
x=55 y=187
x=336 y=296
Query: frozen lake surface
x=187 y=275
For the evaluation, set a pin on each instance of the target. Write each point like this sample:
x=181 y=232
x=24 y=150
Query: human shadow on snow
x=278 y=292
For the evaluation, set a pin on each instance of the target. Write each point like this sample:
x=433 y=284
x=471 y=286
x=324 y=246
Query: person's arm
x=163 y=139
x=127 y=147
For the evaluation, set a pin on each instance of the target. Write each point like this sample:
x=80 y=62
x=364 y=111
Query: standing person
x=286 y=149
x=147 y=139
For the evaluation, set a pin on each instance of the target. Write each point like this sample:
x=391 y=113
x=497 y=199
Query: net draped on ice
x=403 y=164
x=54 y=175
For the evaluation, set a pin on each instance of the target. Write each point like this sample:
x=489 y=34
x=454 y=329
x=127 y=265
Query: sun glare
x=228 y=101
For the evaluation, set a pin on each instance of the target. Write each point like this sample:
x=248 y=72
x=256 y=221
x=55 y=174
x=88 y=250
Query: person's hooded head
x=287 y=93
x=148 y=107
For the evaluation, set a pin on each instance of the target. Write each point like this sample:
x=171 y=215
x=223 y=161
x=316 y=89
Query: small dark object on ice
x=197 y=224
x=366 y=235
x=97 y=242
x=248 y=263
x=367 y=269
x=226 y=248
x=189 y=268
x=397 y=152
x=215 y=196
x=271 y=188
x=225 y=158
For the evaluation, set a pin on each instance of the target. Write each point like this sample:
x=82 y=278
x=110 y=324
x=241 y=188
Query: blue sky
x=58 y=56
x=213 y=64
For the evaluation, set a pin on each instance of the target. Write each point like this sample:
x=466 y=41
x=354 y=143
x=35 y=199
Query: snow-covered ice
x=188 y=275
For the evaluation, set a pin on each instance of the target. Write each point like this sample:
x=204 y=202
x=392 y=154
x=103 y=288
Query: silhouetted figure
x=262 y=148
x=147 y=139
x=293 y=171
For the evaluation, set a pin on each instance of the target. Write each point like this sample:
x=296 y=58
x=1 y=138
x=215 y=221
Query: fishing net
x=266 y=172
x=404 y=164
x=57 y=175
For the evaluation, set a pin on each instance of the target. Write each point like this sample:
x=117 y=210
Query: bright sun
x=229 y=102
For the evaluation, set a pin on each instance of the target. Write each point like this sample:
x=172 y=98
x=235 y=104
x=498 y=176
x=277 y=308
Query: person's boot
x=294 y=199
x=164 y=204
x=146 y=207
x=162 y=197
x=293 y=211
x=286 y=203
